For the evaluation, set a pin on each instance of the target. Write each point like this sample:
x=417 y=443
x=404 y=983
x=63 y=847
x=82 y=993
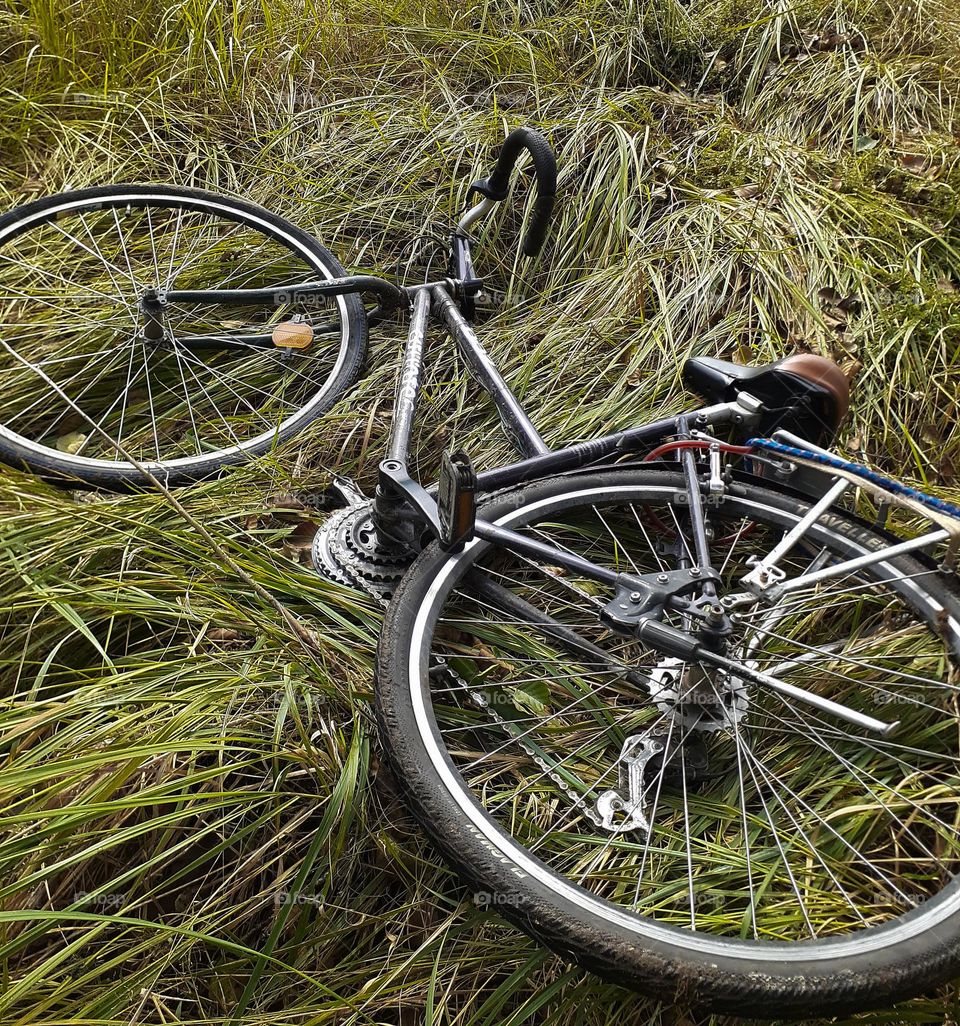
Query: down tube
x=517 y=425
x=408 y=387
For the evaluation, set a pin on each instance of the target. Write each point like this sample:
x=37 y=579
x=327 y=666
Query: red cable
x=692 y=443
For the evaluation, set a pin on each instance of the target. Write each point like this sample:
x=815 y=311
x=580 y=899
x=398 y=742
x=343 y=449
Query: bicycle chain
x=346 y=565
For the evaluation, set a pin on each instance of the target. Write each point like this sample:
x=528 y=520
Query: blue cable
x=860 y=471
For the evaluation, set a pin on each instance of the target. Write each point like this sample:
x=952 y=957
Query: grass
x=175 y=757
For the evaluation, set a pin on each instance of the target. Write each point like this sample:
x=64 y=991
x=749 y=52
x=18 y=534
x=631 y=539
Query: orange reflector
x=293 y=335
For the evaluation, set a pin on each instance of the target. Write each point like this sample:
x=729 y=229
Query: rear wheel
x=95 y=388
x=780 y=861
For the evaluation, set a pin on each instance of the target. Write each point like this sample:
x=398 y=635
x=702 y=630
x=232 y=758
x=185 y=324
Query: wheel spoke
x=766 y=808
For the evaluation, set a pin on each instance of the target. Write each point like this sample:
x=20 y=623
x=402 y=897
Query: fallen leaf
x=835 y=321
x=285 y=506
x=832 y=40
x=930 y=432
x=226 y=638
x=747 y=191
x=535 y=696
x=298 y=544
x=850 y=304
x=71 y=442
x=913 y=161
x=838 y=308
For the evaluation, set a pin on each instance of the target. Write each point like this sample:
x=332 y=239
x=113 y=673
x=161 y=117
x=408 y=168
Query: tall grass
x=194 y=823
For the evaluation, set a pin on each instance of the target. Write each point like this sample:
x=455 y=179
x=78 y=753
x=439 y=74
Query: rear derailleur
x=648 y=762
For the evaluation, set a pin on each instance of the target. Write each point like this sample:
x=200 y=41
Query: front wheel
x=671 y=827
x=105 y=382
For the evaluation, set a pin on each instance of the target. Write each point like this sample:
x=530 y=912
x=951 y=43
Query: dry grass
x=729 y=171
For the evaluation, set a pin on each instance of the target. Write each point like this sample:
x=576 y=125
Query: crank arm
x=396 y=487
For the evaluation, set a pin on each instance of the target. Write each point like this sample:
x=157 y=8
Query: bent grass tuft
x=194 y=823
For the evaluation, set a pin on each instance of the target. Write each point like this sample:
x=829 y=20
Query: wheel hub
x=696 y=698
x=151 y=307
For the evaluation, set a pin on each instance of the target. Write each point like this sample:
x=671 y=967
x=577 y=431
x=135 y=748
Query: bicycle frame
x=399 y=497
x=404 y=509
x=401 y=503
x=451 y=301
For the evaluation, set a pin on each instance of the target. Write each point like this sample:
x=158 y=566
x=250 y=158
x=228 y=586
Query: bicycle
x=638 y=690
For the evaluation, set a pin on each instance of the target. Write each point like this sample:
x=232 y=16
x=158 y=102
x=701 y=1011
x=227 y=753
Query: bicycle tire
x=62 y=467
x=765 y=979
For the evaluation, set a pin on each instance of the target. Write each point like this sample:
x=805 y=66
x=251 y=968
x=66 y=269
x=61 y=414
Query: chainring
x=348 y=551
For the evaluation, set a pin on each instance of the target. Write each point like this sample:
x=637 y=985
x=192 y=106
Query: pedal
x=457 y=500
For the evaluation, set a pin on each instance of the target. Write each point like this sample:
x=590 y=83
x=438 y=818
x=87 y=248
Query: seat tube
x=516 y=423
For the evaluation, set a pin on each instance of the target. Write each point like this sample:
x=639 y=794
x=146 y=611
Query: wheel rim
x=878 y=900
x=84 y=388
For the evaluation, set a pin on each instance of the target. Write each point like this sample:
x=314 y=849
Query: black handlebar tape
x=497 y=185
x=538 y=227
